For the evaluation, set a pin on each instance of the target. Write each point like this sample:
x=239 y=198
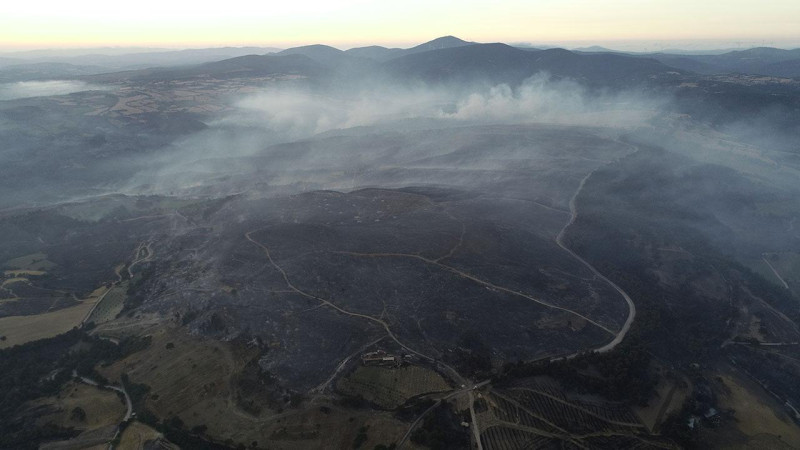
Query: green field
x=110 y=306
x=32 y=262
x=391 y=387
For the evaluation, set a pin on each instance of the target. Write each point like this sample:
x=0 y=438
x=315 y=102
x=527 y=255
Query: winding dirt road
x=327 y=303
x=620 y=335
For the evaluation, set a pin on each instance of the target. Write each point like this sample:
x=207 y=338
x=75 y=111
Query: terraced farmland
x=536 y=413
x=110 y=306
x=505 y=438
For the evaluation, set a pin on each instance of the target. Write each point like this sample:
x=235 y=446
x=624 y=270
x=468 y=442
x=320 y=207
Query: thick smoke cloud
x=280 y=115
x=299 y=114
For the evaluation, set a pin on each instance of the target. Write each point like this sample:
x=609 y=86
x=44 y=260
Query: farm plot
x=82 y=407
x=111 y=305
x=137 y=435
x=504 y=438
x=510 y=412
x=391 y=387
x=22 y=329
x=575 y=417
x=535 y=411
x=36 y=262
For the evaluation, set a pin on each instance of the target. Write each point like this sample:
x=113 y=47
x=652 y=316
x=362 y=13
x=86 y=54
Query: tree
x=78 y=414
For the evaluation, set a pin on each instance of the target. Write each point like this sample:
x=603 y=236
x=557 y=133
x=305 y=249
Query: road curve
x=120 y=389
x=456 y=376
x=631 y=306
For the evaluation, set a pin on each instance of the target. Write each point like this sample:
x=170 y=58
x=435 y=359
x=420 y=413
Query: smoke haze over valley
x=452 y=245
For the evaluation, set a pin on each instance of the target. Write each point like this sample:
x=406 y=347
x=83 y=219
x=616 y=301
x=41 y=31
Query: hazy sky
x=197 y=23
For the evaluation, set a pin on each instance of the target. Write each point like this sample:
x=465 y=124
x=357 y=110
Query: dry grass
x=22 y=272
x=33 y=262
x=22 y=329
x=756 y=418
x=14 y=280
x=136 y=435
x=192 y=380
x=103 y=407
x=391 y=387
x=649 y=415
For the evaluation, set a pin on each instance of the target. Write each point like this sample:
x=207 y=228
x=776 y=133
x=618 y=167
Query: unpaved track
x=139 y=259
x=785 y=284
x=620 y=335
x=327 y=303
x=321 y=388
x=477 y=280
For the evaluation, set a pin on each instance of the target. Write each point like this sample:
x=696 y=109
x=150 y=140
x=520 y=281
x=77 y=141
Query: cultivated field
x=22 y=329
x=391 y=387
x=671 y=392
x=136 y=435
x=35 y=262
x=193 y=380
x=755 y=417
x=537 y=413
x=102 y=407
x=101 y=412
x=110 y=306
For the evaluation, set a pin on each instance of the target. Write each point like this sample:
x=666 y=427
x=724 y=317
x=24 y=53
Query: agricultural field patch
x=670 y=393
x=536 y=412
x=186 y=376
x=110 y=306
x=21 y=272
x=34 y=262
x=391 y=387
x=136 y=436
x=754 y=416
x=22 y=329
x=83 y=407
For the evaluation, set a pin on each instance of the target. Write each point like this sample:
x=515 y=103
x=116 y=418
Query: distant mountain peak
x=440 y=43
x=311 y=48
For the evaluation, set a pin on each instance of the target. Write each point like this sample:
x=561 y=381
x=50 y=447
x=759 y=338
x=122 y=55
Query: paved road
x=447 y=396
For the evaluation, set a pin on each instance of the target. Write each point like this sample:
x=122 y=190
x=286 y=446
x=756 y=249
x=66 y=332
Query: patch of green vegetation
x=34 y=261
x=41 y=368
x=622 y=374
x=111 y=306
x=441 y=429
x=361 y=437
x=391 y=387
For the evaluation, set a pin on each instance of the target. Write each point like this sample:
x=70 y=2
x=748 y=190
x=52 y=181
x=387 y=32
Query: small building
x=380 y=358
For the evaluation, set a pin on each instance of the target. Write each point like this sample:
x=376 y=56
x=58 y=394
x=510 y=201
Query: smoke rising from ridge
x=280 y=115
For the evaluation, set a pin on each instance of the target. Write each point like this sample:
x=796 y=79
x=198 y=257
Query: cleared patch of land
x=755 y=417
x=136 y=435
x=33 y=262
x=22 y=329
x=391 y=387
x=93 y=411
x=192 y=380
x=21 y=272
x=110 y=306
x=671 y=392
x=101 y=407
x=188 y=377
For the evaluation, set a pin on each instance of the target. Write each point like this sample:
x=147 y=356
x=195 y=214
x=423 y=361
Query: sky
x=35 y=24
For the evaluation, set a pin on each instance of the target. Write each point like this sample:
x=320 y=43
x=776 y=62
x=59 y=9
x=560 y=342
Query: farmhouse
x=380 y=358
